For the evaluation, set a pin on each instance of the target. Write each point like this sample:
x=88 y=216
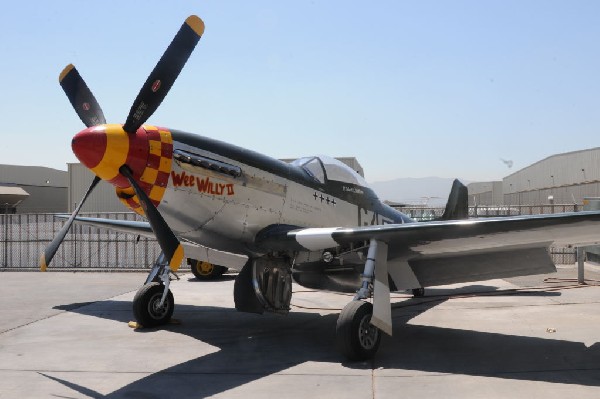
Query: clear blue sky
x=411 y=88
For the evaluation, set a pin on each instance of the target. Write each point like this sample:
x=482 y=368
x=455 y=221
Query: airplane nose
x=89 y=146
x=148 y=153
x=105 y=148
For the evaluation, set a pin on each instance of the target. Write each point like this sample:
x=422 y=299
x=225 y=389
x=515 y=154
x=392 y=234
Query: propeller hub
x=148 y=153
x=105 y=148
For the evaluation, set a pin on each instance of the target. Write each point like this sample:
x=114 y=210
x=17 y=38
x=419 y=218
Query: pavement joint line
x=373 y=379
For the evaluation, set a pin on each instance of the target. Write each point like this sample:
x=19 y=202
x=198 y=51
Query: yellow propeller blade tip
x=43 y=265
x=196 y=24
x=176 y=259
x=65 y=72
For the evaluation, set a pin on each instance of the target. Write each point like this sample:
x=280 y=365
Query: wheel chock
x=135 y=325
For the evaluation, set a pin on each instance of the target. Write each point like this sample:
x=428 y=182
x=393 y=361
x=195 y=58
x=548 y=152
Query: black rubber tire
x=418 y=292
x=356 y=338
x=144 y=305
x=202 y=272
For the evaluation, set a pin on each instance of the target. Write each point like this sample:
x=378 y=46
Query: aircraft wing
x=451 y=251
x=122 y=226
x=191 y=249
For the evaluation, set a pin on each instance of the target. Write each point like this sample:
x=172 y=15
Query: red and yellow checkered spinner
x=148 y=153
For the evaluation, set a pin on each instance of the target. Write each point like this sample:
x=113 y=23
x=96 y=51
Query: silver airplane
x=314 y=221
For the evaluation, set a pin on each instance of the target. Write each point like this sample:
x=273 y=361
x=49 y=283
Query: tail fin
x=458 y=203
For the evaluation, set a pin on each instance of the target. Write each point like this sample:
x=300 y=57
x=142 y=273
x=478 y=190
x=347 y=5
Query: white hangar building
x=560 y=179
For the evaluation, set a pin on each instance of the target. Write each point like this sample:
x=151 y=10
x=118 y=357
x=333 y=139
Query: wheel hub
x=367 y=333
x=155 y=309
x=204 y=268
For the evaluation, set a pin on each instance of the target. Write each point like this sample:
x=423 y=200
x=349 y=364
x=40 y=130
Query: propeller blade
x=81 y=97
x=167 y=241
x=164 y=74
x=51 y=249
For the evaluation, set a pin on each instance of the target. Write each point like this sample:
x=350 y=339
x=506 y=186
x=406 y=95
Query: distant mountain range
x=430 y=191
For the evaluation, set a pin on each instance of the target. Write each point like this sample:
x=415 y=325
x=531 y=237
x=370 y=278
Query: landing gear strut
x=359 y=326
x=153 y=304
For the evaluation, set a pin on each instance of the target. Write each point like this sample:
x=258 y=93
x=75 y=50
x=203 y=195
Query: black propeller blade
x=149 y=98
x=164 y=74
x=169 y=244
x=81 y=97
x=51 y=249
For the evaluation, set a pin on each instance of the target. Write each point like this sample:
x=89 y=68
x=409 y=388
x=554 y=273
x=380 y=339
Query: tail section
x=457 y=206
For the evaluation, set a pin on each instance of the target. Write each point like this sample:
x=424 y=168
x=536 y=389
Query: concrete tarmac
x=65 y=335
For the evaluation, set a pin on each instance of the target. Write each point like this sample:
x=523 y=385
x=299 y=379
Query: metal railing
x=422 y=213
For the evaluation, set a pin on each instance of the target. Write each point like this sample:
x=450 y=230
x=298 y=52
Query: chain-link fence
x=423 y=213
x=23 y=238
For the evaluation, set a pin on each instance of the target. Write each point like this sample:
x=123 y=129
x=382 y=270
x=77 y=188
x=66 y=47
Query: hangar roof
x=12 y=195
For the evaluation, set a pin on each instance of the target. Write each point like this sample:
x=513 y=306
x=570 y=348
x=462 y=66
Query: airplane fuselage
x=220 y=195
x=223 y=195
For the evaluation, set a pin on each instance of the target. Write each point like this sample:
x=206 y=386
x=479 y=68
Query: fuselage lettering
x=203 y=185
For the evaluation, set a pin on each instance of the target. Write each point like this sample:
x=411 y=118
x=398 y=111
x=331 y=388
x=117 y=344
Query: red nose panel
x=89 y=146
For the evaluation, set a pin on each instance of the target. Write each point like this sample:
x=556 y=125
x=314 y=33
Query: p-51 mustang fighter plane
x=314 y=221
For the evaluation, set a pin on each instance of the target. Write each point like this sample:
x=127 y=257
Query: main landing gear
x=360 y=324
x=153 y=304
x=147 y=307
x=357 y=338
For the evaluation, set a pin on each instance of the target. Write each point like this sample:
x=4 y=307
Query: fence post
x=580 y=265
x=5 y=217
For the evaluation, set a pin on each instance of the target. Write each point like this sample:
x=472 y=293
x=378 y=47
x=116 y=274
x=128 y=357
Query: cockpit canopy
x=323 y=168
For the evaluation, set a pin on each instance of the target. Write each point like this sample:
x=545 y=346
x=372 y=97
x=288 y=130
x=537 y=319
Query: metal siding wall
x=102 y=199
x=44 y=200
x=485 y=193
x=33 y=175
x=47 y=187
x=564 y=176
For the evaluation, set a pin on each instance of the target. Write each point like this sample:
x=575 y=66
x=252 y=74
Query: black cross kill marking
x=330 y=201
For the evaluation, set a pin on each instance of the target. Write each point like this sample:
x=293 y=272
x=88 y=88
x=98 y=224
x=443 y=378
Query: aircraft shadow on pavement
x=254 y=346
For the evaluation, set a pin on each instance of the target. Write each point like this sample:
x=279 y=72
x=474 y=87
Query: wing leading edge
x=192 y=250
